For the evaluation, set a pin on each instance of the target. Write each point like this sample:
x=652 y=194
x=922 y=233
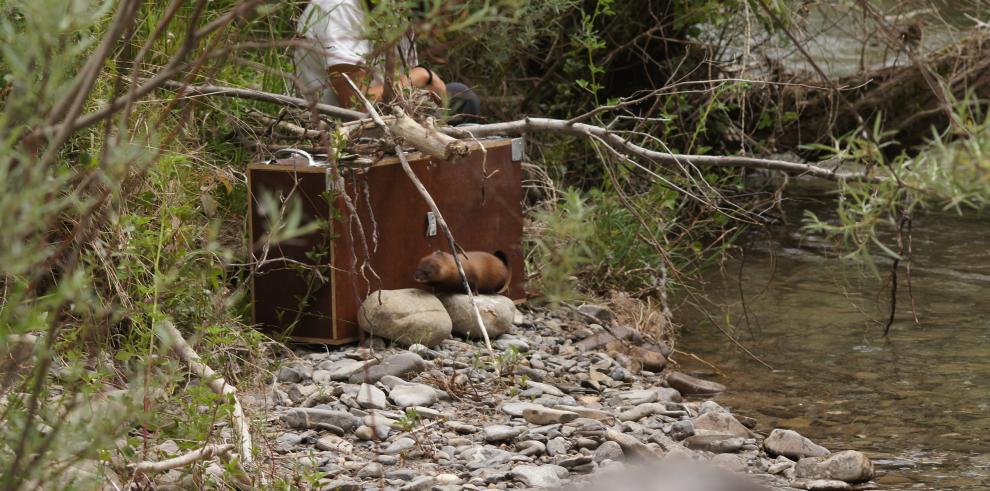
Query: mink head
x=430 y=268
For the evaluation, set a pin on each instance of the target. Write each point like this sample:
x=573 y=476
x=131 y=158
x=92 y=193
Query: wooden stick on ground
x=172 y=338
x=207 y=452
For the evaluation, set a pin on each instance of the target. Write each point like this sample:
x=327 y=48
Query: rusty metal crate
x=480 y=197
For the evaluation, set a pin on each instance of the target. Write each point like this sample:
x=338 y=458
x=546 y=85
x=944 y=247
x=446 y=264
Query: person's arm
x=345 y=94
x=424 y=78
x=419 y=77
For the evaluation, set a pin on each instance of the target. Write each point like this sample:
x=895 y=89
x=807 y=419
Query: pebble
x=372 y=470
x=792 y=445
x=585 y=412
x=501 y=433
x=371 y=397
x=542 y=476
x=396 y=365
x=540 y=415
x=557 y=446
x=330 y=371
x=715 y=443
x=609 y=451
x=721 y=423
x=334 y=443
x=531 y=448
x=544 y=388
x=462 y=428
x=399 y=446
x=688 y=385
x=289 y=375
x=312 y=417
x=508 y=341
x=682 y=429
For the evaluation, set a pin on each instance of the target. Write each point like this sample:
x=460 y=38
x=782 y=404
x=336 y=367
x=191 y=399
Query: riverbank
x=561 y=412
x=914 y=401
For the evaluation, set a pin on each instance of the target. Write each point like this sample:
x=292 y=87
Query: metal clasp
x=431 y=224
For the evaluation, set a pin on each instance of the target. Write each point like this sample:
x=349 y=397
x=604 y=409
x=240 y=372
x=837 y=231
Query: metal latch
x=518 y=148
x=431 y=224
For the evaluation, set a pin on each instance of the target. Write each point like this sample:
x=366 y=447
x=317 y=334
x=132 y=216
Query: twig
x=207 y=452
x=547 y=125
x=257 y=95
x=172 y=338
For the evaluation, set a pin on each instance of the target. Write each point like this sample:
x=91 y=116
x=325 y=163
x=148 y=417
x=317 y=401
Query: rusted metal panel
x=480 y=198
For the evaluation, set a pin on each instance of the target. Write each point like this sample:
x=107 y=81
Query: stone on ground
x=497 y=313
x=397 y=365
x=849 y=466
x=407 y=317
x=689 y=385
x=792 y=445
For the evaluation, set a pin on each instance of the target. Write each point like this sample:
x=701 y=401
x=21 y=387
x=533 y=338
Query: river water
x=916 y=401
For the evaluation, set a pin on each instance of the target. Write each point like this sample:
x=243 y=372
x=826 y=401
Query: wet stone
x=792 y=445
x=688 y=385
x=849 y=466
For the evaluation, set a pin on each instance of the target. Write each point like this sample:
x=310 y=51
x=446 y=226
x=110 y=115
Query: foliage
x=948 y=174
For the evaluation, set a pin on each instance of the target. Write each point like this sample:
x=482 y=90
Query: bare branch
x=545 y=125
x=257 y=95
x=172 y=338
x=207 y=452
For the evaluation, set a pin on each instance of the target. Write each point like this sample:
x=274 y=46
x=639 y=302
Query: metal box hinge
x=518 y=149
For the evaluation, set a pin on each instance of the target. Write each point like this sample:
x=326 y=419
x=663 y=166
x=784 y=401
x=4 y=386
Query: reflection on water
x=918 y=401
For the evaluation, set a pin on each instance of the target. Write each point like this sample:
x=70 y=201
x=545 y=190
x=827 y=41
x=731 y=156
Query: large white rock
x=406 y=316
x=497 y=313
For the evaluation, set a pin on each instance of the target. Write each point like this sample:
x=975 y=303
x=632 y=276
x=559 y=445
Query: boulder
x=496 y=312
x=406 y=317
x=849 y=466
x=792 y=445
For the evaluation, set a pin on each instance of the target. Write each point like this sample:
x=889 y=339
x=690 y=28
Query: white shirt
x=336 y=29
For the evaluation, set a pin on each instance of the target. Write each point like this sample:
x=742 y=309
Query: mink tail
x=508 y=280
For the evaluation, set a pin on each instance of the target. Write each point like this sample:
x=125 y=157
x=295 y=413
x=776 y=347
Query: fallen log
x=902 y=96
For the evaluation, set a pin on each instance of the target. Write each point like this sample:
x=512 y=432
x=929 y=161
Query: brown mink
x=486 y=273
